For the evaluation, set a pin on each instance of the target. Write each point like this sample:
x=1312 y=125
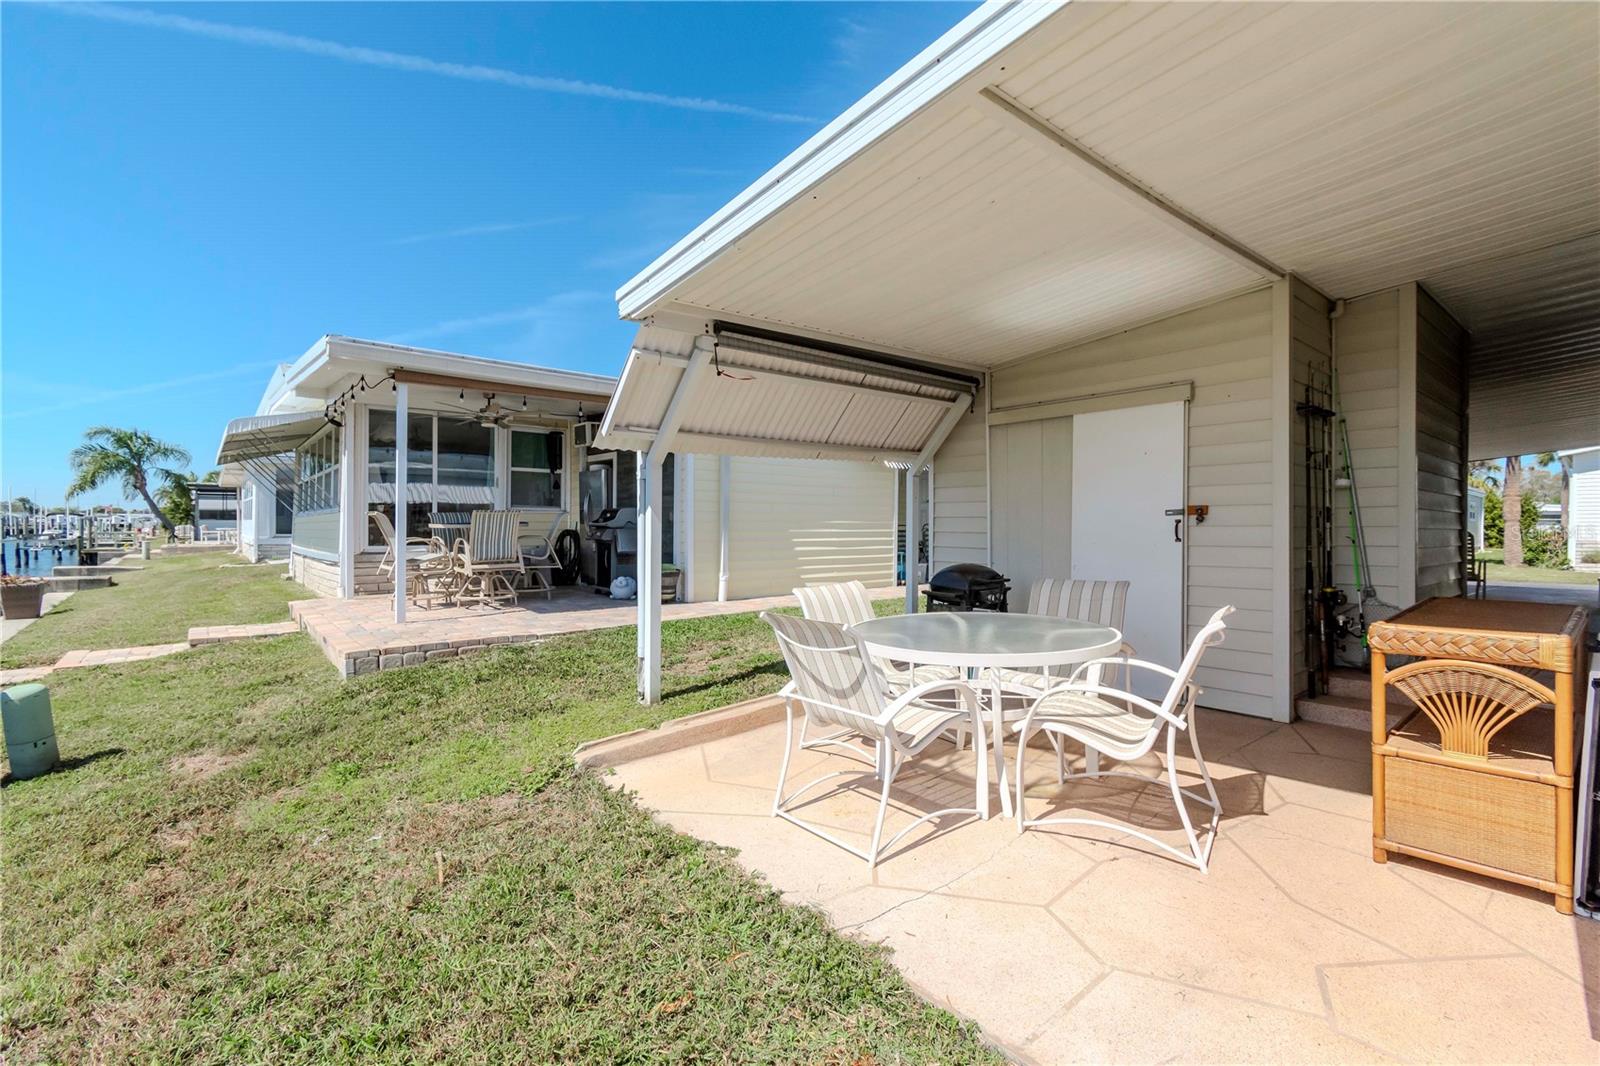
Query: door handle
x=1177 y=524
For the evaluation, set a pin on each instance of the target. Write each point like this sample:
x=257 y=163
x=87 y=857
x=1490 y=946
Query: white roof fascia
x=971 y=43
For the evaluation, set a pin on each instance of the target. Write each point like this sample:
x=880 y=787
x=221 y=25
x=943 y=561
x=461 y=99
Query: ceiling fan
x=491 y=415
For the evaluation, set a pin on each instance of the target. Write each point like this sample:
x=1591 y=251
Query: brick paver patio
x=360 y=636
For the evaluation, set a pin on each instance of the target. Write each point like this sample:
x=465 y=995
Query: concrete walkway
x=198 y=635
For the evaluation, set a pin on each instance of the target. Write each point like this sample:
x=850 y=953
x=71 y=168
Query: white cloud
x=90 y=397
x=545 y=310
x=375 y=57
x=483 y=230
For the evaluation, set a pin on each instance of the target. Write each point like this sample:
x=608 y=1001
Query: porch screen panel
x=420 y=490
x=465 y=474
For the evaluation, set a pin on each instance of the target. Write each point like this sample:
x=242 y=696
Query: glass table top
x=986 y=638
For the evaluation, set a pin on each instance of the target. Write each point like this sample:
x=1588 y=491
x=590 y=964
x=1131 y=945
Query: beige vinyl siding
x=1310 y=339
x=1368 y=352
x=959 y=532
x=1226 y=350
x=1441 y=449
x=317 y=532
x=794 y=522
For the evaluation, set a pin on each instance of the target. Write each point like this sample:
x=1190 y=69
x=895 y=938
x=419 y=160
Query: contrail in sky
x=375 y=57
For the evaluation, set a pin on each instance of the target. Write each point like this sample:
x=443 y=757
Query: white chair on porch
x=418 y=549
x=538 y=546
x=1126 y=727
x=834 y=686
x=845 y=603
x=488 y=560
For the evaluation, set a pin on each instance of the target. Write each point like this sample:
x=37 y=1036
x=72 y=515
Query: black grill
x=967 y=587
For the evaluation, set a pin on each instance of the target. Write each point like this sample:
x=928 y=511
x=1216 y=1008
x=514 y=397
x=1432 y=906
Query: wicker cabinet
x=1480 y=777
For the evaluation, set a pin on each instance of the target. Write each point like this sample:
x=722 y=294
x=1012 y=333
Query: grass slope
x=248 y=860
x=157 y=605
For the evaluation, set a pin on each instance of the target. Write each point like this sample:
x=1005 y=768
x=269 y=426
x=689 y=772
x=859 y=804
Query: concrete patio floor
x=1071 y=945
x=360 y=635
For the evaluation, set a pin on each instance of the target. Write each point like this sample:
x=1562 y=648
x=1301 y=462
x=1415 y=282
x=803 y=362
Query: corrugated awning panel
x=770 y=399
x=261 y=436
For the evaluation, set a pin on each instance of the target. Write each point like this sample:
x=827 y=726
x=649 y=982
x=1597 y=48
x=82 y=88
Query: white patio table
x=981 y=642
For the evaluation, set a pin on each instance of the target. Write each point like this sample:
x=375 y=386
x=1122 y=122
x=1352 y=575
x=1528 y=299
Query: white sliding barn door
x=1030 y=530
x=1127 y=474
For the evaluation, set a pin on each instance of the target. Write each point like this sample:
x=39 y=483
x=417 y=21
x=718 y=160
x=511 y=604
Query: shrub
x=1590 y=557
x=1545 y=548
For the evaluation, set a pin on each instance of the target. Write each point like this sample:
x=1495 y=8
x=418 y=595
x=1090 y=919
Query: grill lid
x=964 y=576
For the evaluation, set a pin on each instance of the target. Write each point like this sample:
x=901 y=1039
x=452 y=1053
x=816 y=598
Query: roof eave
x=965 y=48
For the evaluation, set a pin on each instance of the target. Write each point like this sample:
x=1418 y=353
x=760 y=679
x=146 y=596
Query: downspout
x=725 y=522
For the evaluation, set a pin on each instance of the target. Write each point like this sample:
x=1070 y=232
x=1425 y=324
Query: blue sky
x=194 y=193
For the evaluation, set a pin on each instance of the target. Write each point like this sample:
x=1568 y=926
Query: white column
x=725 y=522
x=650 y=579
x=402 y=451
x=913 y=527
x=650 y=512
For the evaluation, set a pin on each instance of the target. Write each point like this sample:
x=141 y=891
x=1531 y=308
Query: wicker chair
x=489 y=561
x=834 y=685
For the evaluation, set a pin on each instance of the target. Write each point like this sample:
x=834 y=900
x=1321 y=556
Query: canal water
x=35 y=563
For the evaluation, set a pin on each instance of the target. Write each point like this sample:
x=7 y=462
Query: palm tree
x=131 y=456
x=1513 y=510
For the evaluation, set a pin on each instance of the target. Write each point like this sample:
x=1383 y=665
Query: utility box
x=30 y=730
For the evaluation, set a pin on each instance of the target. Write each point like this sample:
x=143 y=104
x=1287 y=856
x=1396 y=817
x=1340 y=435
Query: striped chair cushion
x=827 y=669
x=1104 y=602
x=845 y=603
x=494 y=539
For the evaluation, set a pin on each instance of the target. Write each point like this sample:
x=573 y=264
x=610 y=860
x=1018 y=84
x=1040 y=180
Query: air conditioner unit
x=584 y=433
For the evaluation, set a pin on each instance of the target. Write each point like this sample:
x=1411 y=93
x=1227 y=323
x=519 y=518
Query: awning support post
x=913 y=539
x=914 y=515
x=402 y=456
x=725 y=522
x=650 y=520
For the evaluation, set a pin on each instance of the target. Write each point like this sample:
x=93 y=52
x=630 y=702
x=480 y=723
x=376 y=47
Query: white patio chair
x=489 y=560
x=417 y=548
x=1126 y=726
x=844 y=604
x=834 y=685
x=539 y=559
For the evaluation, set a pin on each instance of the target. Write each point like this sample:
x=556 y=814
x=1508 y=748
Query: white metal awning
x=762 y=396
x=261 y=436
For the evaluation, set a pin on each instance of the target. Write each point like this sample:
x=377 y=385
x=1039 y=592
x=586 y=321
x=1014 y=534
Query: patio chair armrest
x=1122 y=660
x=1132 y=699
x=915 y=694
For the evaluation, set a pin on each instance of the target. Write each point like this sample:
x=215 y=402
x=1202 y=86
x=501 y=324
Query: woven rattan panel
x=1496 y=821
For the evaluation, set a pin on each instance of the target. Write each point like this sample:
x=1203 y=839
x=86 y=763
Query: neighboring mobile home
x=319 y=455
x=1097 y=267
x=1583 y=507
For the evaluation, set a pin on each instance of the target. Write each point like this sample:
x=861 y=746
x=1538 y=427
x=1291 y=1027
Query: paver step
x=199 y=635
x=1346 y=712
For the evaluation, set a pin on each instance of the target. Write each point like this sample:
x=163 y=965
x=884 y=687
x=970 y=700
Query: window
x=450 y=467
x=247 y=503
x=536 y=467
x=317 y=481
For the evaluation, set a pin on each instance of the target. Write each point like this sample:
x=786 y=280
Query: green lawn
x=1499 y=572
x=249 y=860
x=157 y=606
